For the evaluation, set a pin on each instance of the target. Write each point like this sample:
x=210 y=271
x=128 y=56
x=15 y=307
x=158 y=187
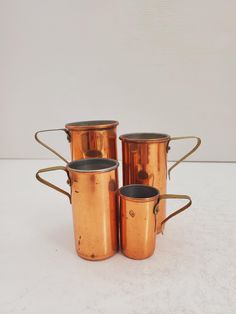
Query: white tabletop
x=192 y=271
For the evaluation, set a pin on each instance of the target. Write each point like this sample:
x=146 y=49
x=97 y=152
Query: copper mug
x=94 y=187
x=88 y=139
x=145 y=162
x=139 y=208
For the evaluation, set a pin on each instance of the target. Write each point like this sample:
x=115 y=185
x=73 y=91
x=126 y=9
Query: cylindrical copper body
x=92 y=139
x=88 y=139
x=139 y=207
x=145 y=162
x=94 y=187
x=138 y=220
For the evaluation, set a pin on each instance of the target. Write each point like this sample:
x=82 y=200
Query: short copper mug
x=94 y=187
x=145 y=162
x=88 y=139
x=139 y=208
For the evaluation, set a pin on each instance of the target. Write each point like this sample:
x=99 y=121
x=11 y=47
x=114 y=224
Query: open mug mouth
x=93 y=124
x=144 y=137
x=93 y=165
x=139 y=191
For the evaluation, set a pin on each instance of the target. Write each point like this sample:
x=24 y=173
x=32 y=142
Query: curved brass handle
x=188 y=154
x=173 y=196
x=48 y=147
x=50 y=184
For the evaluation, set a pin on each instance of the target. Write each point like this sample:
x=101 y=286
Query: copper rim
x=139 y=192
x=145 y=137
x=93 y=165
x=92 y=124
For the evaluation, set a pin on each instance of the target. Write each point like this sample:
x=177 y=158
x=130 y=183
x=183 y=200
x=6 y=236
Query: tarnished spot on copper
x=143 y=175
x=112 y=185
x=93 y=153
x=132 y=213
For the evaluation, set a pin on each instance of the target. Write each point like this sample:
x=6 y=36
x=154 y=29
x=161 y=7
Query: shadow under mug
x=139 y=210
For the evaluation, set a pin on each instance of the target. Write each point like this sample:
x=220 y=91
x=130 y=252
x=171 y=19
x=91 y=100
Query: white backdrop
x=164 y=66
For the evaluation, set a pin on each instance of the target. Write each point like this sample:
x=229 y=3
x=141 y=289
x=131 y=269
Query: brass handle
x=188 y=154
x=173 y=196
x=50 y=184
x=48 y=147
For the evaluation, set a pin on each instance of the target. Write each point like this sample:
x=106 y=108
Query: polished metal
x=144 y=158
x=88 y=139
x=138 y=209
x=94 y=187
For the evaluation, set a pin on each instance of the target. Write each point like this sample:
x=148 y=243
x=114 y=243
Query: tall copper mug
x=94 y=187
x=144 y=157
x=88 y=139
x=139 y=208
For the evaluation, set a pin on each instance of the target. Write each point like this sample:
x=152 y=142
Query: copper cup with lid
x=144 y=159
x=88 y=139
x=93 y=195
